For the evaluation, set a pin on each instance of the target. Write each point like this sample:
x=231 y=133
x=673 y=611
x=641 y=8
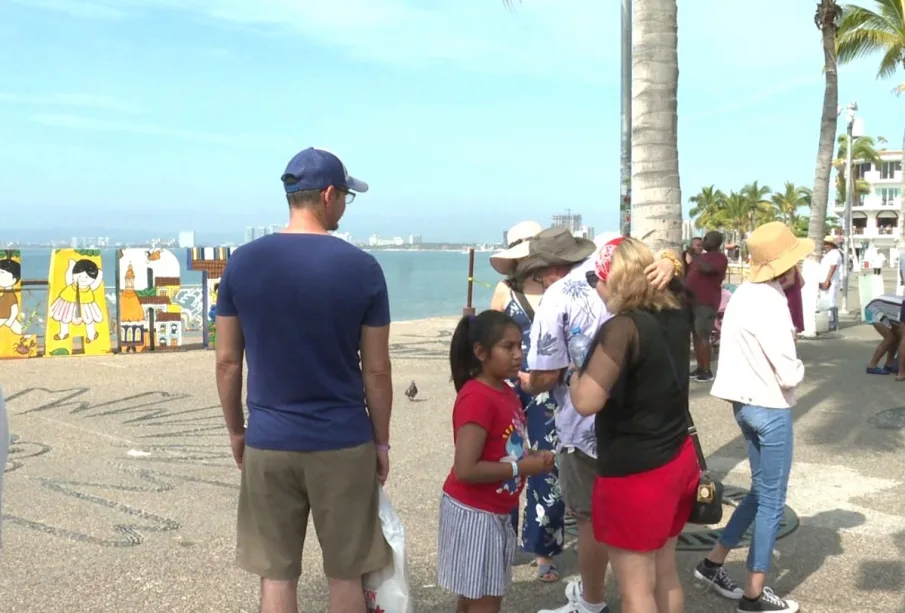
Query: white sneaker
x=573 y=595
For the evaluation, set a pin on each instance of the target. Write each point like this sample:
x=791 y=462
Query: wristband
x=382 y=447
x=568 y=378
x=514 y=465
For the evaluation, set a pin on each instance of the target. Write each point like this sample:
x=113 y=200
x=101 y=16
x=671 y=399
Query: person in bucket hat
x=759 y=371
x=831 y=273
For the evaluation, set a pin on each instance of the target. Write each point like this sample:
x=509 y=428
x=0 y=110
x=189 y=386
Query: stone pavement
x=121 y=491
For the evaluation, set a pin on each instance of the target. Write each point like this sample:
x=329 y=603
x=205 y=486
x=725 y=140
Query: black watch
x=568 y=376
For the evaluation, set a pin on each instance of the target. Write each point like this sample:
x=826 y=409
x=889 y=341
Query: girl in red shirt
x=477 y=543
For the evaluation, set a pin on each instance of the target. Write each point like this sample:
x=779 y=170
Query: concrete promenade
x=121 y=490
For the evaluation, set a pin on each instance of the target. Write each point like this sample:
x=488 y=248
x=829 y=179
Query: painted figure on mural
x=10 y=274
x=77 y=303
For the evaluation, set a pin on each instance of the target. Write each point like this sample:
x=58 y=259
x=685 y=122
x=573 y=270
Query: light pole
x=625 y=167
x=849 y=198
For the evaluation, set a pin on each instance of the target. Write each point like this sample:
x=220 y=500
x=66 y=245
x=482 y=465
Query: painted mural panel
x=150 y=281
x=14 y=322
x=76 y=303
x=211 y=261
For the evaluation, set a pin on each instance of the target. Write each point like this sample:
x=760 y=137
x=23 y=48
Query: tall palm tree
x=826 y=18
x=864 y=32
x=864 y=151
x=737 y=216
x=706 y=209
x=760 y=208
x=788 y=203
x=656 y=192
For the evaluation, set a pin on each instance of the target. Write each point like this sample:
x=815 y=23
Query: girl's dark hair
x=86 y=266
x=12 y=267
x=485 y=330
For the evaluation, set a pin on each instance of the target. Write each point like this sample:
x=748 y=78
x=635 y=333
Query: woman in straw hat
x=543 y=528
x=759 y=371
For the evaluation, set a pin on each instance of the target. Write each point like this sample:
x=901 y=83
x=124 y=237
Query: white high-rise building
x=875 y=216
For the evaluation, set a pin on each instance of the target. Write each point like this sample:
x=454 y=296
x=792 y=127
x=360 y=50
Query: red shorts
x=641 y=512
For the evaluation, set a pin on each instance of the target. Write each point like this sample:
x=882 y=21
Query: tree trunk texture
x=821 y=193
x=656 y=192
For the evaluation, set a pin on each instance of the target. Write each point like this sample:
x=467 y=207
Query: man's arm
x=230 y=349
x=376 y=372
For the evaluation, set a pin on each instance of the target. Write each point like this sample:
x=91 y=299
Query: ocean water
x=421 y=283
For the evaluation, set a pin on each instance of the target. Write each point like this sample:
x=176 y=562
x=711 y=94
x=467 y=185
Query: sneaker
x=694 y=374
x=573 y=595
x=768 y=601
x=718 y=580
x=704 y=376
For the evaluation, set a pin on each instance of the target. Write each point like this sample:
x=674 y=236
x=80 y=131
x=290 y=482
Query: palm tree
x=789 y=202
x=864 y=32
x=706 y=209
x=736 y=214
x=864 y=150
x=656 y=192
x=826 y=18
x=760 y=209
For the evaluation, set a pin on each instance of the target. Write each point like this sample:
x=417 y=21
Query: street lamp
x=849 y=199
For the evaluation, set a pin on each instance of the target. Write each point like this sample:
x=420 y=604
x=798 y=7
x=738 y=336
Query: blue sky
x=156 y=116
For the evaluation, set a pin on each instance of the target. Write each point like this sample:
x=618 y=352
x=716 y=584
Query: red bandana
x=605 y=258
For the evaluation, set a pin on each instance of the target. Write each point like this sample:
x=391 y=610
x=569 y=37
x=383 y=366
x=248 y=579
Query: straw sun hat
x=553 y=245
x=774 y=250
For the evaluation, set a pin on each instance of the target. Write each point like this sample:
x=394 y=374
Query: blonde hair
x=627 y=282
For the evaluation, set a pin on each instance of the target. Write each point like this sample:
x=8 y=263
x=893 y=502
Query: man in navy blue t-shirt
x=310 y=314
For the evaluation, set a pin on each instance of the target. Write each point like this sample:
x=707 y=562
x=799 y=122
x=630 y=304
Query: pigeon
x=411 y=391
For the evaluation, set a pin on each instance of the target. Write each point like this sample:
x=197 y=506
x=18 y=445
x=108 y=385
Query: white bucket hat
x=517 y=246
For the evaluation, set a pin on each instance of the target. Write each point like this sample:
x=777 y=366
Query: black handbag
x=708 y=505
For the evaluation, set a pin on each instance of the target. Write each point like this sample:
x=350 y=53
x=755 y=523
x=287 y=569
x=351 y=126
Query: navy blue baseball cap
x=316 y=169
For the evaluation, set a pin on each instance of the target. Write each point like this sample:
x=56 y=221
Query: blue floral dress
x=542 y=526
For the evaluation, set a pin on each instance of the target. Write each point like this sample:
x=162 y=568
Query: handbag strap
x=522 y=300
x=692 y=429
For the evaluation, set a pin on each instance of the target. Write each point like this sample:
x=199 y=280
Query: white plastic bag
x=387 y=590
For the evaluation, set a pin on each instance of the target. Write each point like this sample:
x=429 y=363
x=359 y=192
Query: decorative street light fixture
x=852 y=131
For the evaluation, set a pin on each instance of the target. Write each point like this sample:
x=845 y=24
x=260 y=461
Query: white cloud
x=80 y=122
x=574 y=38
x=73 y=100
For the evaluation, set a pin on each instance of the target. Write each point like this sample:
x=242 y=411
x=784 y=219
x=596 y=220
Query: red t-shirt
x=499 y=412
x=707 y=288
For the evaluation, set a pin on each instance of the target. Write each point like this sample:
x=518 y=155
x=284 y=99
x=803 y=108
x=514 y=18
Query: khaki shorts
x=339 y=488
x=577 y=473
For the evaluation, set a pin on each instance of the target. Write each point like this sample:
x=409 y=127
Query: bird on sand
x=411 y=391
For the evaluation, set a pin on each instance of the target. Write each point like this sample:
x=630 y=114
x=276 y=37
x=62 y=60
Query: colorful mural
x=211 y=261
x=14 y=342
x=76 y=304
x=149 y=282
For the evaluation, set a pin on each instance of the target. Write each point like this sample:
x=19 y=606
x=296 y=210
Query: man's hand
x=383 y=465
x=525 y=381
x=237 y=442
x=824 y=285
x=660 y=273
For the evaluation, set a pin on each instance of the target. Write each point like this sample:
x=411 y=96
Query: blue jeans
x=769 y=436
x=833 y=316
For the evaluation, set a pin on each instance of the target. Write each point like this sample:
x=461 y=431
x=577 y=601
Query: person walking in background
x=543 y=526
x=635 y=382
x=310 y=313
x=791 y=286
x=570 y=312
x=831 y=275
x=759 y=371
x=705 y=280
x=695 y=248
x=476 y=544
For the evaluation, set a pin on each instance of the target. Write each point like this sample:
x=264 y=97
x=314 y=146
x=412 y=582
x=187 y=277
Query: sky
x=141 y=118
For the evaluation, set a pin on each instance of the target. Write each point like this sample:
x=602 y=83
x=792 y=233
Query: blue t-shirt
x=302 y=300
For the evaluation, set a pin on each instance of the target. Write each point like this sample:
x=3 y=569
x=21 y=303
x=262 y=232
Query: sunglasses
x=592 y=278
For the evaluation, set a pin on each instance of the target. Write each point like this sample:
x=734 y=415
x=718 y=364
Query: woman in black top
x=636 y=381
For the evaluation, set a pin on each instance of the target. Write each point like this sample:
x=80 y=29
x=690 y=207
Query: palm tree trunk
x=656 y=192
x=827 y=24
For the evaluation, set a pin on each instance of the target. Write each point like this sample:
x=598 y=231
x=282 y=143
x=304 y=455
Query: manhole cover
x=890 y=419
x=703 y=538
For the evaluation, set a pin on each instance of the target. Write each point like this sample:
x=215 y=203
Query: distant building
x=688 y=230
x=572 y=222
x=375 y=241
x=260 y=231
x=187 y=239
x=415 y=239
x=250 y=234
x=343 y=235
x=74 y=243
x=875 y=216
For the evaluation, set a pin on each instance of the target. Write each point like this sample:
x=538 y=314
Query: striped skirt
x=475 y=550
